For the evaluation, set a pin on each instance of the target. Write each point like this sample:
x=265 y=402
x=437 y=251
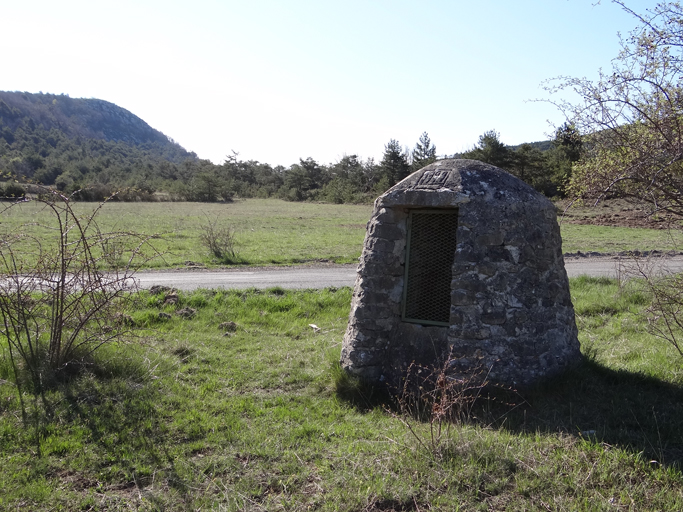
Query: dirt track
x=616 y=213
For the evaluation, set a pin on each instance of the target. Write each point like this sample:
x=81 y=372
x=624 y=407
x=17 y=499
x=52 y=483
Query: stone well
x=462 y=258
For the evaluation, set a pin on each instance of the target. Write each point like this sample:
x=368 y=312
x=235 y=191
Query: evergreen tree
x=567 y=148
x=491 y=150
x=394 y=165
x=316 y=174
x=569 y=141
x=528 y=164
x=424 y=152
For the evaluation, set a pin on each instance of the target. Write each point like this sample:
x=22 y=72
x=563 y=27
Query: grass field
x=274 y=232
x=188 y=418
x=587 y=238
x=268 y=231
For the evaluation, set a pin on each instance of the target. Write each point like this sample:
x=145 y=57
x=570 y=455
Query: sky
x=279 y=80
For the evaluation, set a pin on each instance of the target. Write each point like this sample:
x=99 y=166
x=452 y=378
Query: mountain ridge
x=84 y=117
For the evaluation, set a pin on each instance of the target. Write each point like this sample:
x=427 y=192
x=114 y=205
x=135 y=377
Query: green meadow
x=187 y=416
x=239 y=403
x=275 y=232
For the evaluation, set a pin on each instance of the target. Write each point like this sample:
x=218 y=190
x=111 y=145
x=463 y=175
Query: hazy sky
x=279 y=80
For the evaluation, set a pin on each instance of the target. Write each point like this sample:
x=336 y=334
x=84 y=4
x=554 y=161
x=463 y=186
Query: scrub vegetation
x=233 y=400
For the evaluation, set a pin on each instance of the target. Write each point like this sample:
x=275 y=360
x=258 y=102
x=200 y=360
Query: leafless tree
x=631 y=117
x=59 y=298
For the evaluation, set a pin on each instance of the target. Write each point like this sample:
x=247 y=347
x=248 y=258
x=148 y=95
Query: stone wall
x=511 y=312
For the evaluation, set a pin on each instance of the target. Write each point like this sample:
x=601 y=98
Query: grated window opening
x=431 y=245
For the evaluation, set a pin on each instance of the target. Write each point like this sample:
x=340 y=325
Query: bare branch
x=59 y=300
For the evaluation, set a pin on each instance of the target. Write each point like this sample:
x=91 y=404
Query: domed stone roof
x=462 y=260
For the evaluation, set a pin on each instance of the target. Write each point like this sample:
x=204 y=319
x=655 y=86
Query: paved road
x=345 y=275
x=286 y=277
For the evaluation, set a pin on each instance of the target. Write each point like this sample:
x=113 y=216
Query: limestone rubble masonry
x=511 y=314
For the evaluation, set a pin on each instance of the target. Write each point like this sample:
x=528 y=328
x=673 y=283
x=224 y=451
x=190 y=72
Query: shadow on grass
x=122 y=421
x=631 y=411
x=620 y=408
x=361 y=395
x=117 y=407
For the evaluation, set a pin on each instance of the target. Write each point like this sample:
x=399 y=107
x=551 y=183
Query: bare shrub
x=438 y=396
x=664 y=315
x=113 y=249
x=57 y=305
x=665 y=318
x=219 y=239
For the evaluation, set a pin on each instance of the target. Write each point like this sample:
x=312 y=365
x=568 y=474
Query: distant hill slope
x=544 y=145
x=96 y=149
x=75 y=143
x=77 y=117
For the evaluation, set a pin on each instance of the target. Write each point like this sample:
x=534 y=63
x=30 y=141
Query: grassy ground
x=190 y=417
x=614 y=239
x=267 y=231
x=273 y=232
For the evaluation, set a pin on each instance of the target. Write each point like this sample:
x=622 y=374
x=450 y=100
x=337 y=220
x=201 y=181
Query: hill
x=96 y=148
x=543 y=145
x=74 y=143
x=76 y=117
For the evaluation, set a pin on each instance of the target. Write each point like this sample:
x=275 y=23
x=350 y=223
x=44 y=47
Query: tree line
x=546 y=166
x=52 y=140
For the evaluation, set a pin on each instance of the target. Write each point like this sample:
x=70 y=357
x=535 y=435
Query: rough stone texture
x=511 y=314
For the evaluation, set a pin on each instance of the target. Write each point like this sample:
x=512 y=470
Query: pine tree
x=424 y=152
x=491 y=150
x=394 y=165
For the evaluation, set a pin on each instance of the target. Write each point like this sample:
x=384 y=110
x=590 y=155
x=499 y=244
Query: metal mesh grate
x=431 y=248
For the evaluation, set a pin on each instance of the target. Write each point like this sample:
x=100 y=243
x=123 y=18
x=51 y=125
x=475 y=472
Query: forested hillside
x=75 y=143
x=97 y=148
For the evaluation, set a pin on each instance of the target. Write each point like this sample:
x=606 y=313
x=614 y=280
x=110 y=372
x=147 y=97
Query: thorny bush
x=57 y=304
x=664 y=315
